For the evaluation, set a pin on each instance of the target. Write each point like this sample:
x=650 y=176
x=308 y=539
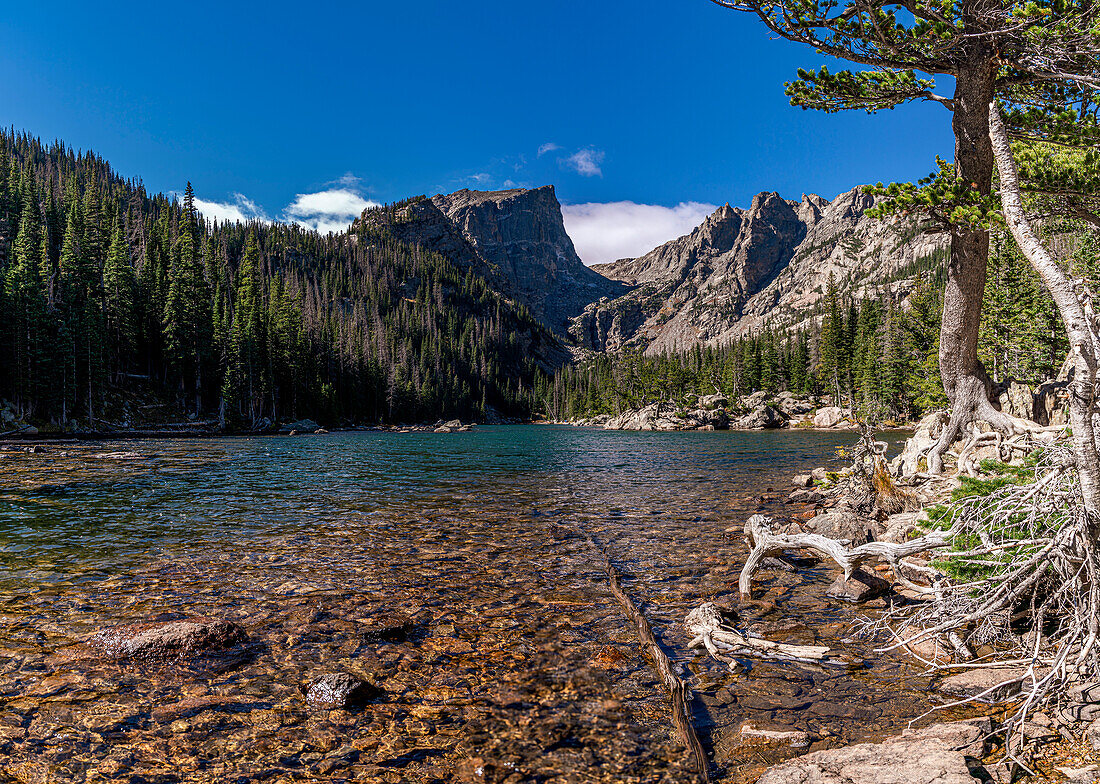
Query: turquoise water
x=115 y=505
x=304 y=541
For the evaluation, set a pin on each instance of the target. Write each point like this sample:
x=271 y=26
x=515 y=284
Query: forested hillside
x=878 y=354
x=114 y=300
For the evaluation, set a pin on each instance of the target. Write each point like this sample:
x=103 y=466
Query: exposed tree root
x=1017 y=579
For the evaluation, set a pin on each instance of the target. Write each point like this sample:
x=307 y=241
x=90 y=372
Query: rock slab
x=932 y=755
x=167 y=641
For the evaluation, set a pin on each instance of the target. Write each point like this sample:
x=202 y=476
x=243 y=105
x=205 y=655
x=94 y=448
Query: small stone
x=179 y=726
x=803 y=480
x=610 y=657
x=340 y=690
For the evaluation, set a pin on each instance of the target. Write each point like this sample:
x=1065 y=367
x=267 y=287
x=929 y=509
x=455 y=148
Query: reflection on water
x=522 y=666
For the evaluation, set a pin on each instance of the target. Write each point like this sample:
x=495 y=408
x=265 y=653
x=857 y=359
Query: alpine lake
x=447 y=570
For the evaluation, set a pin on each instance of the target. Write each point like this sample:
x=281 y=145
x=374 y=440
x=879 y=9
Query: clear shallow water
x=522 y=665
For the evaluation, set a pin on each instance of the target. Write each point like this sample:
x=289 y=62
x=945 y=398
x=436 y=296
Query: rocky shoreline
x=959 y=752
x=759 y=411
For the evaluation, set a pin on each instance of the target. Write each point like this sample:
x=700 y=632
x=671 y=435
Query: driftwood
x=16 y=431
x=705 y=622
x=679 y=693
x=764 y=543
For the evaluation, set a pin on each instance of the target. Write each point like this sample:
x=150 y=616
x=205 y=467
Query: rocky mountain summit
x=742 y=268
x=515 y=239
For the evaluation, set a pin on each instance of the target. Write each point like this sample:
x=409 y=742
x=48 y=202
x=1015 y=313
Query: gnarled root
x=764 y=543
x=711 y=632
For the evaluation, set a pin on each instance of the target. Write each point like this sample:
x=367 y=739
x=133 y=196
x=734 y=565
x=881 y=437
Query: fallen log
x=679 y=693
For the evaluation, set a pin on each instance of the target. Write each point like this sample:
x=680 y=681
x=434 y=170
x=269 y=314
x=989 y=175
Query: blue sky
x=646 y=114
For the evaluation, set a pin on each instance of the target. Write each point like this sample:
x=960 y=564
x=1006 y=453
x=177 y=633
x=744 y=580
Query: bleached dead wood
x=765 y=542
x=711 y=632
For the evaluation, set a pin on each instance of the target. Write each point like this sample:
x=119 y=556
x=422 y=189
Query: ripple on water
x=518 y=662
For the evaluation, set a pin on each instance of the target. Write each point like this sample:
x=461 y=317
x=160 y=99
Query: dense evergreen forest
x=118 y=307
x=113 y=299
x=878 y=355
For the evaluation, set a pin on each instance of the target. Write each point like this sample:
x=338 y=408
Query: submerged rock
x=339 y=690
x=1004 y=682
x=168 y=641
x=388 y=627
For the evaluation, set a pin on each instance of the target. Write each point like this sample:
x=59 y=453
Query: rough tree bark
x=965 y=380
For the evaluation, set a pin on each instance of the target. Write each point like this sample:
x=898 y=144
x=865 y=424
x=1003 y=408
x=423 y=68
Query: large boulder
x=755 y=400
x=832 y=416
x=716 y=419
x=1017 y=399
x=763 y=418
x=713 y=401
x=938 y=754
x=845 y=524
x=301 y=426
x=793 y=406
x=913 y=458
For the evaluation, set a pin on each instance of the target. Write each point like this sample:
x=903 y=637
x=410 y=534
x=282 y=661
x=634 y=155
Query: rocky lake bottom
x=445 y=569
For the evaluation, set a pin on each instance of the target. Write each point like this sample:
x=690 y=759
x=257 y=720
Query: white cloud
x=548 y=147
x=240 y=210
x=585 y=162
x=327 y=211
x=603 y=232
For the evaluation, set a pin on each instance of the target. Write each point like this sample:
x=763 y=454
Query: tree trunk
x=1083 y=349
x=965 y=380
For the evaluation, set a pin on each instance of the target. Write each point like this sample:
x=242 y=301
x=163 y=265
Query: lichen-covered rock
x=913 y=458
x=846 y=525
x=763 y=418
x=832 y=416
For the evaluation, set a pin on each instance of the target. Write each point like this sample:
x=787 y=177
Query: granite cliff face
x=515 y=239
x=743 y=268
x=522 y=233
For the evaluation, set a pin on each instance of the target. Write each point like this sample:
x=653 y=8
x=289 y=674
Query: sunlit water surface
x=522 y=666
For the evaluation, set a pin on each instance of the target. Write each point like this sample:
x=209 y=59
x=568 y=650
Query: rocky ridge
x=742 y=268
x=515 y=239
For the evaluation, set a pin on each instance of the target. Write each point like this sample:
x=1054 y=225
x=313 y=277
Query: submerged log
x=679 y=693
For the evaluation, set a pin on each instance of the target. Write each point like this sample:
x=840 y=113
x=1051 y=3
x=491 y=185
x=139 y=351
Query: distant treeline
x=879 y=355
x=107 y=288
